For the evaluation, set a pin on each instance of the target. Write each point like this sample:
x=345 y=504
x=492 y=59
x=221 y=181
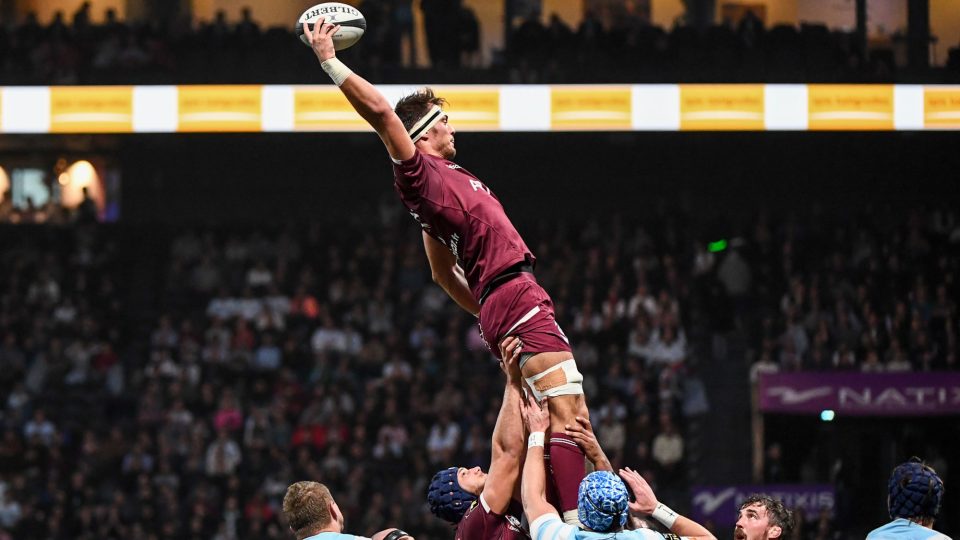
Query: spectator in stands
x=87 y=212
x=468 y=34
x=668 y=448
x=439 y=21
x=39 y=429
x=168 y=366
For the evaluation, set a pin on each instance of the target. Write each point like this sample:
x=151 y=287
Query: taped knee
x=563 y=379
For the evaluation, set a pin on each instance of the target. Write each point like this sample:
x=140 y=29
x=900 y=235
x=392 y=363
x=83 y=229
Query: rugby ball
x=351 y=21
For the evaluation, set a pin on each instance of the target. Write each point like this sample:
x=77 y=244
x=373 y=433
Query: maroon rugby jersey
x=457 y=209
x=479 y=523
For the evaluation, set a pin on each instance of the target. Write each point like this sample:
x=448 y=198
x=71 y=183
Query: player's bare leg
x=565 y=408
x=546 y=375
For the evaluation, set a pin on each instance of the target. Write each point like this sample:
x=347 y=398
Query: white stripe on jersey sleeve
x=649 y=534
x=551 y=527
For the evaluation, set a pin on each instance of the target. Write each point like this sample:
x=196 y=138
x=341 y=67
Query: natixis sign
x=861 y=394
x=719 y=504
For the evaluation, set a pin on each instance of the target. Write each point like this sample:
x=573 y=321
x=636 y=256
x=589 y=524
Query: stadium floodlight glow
x=4 y=183
x=79 y=175
x=827 y=415
x=718 y=246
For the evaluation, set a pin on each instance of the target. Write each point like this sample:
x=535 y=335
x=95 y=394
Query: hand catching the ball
x=321 y=38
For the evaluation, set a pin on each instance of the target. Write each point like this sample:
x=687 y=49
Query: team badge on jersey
x=514 y=525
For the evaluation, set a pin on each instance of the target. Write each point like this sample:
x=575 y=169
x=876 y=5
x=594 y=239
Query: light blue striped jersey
x=551 y=527
x=335 y=536
x=904 y=529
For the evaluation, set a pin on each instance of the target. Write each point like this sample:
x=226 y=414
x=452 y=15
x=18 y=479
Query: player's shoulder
x=635 y=534
x=550 y=526
x=401 y=163
x=421 y=163
x=472 y=519
x=900 y=529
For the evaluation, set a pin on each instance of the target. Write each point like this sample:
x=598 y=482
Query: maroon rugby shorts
x=520 y=307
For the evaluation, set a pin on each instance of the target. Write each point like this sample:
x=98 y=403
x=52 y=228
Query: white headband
x=424 y=124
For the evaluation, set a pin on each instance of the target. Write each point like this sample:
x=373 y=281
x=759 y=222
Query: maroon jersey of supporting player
x=457 y=209
x=479 y=523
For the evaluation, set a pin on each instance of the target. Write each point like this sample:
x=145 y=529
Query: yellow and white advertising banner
x=219 y=108
x=941 y=107
x=574 y=108
x=488 y=108
x=732 y=107
x=324 y=108
x=472 y=108
x=850 y=107
x=91 y=109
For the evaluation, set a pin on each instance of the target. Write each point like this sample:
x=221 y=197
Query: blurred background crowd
x=175 y=391
x=242 y=327
x=614 y=42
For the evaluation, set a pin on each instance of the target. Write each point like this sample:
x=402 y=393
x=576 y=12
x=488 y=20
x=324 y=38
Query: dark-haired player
x=762 y=517
x=914 y=496
x=475 y=253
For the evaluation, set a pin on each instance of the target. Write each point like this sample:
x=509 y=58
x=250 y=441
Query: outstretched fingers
x=319 y=28
x=332 y=29
x=313 y=32
x=646 y=500
x=581 y=430
x=535 y=415
x=530 y=402
x=510 y=348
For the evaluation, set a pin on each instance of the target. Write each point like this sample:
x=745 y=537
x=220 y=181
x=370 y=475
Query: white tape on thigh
x=563 y=379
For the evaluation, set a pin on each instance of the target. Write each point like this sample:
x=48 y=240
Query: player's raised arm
x=646 y=503
x=533 y=485
x=363 y=96
x=508 y=442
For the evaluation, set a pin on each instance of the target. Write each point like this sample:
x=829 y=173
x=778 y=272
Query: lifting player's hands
x=646 y=501
x=510 y=348
x=582 y=434
x=535 y=415
x=321 y=38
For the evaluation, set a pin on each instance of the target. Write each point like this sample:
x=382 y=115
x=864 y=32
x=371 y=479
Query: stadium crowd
x=871 y=294
x=266 y=356
x=178 y=395
x=269 y=356
x=612 y=45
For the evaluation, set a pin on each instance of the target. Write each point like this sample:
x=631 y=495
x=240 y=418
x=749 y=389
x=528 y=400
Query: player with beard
x=762 y=517
x=476 y=254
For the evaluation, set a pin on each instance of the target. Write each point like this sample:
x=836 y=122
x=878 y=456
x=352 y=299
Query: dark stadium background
x=709 y=186
x=714 y=182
